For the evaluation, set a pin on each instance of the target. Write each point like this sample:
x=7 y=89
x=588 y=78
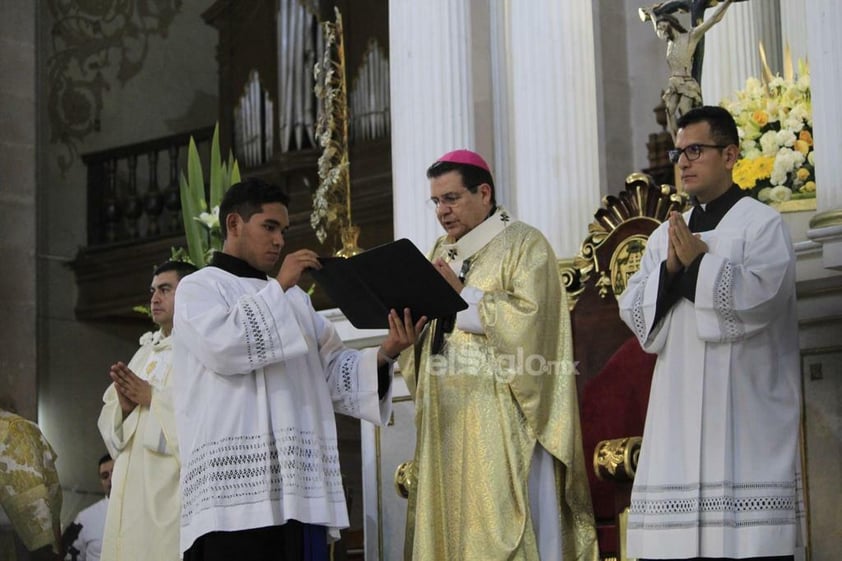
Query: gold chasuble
x=30 y=493
x=486 y=401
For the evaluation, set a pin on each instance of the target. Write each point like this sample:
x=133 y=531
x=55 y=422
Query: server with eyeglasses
x=715 y=300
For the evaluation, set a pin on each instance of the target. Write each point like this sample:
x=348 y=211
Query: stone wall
x=17 y=208
x=118 y=79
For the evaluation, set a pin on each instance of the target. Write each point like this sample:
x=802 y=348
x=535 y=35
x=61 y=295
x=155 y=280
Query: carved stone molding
x=826 y=229
x=93 y=44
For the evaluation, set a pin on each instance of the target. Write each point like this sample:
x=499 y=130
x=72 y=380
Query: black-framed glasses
x=448 y=199
x=691 y=151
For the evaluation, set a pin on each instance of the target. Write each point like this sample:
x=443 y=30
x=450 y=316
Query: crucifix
x=685 y=50
x=696 y=9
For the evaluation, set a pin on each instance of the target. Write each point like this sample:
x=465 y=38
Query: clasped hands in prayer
x=402 y=331
x=131 y=389
x=684 y=246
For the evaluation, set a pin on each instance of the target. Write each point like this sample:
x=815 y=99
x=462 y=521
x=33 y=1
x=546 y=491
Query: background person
x=137 y=424
x=90 y=522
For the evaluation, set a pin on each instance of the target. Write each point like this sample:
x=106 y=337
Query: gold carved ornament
x=616 y=459
x=640 y=199
x=332 y=199
x=404 y=479
x=625 y=261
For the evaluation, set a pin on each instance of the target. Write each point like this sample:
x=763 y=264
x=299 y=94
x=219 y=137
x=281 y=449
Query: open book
x=394 y=275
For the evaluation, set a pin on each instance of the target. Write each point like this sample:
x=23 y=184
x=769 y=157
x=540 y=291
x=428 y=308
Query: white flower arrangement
x=775 y=122
x=201 y=228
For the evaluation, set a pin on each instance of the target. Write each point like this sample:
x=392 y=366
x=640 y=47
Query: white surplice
x=260 y=376
x=718 y=467
x=143 y=508
x=89 y=541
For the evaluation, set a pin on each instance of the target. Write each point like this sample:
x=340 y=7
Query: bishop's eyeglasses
x=449 y=200
x=691 y=151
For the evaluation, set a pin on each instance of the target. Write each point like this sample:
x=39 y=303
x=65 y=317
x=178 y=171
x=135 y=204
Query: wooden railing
x=134 y=213
x=126 y=199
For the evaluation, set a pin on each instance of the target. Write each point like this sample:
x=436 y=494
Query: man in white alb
x=138 y=427
x=715 y=300
x=260 y=376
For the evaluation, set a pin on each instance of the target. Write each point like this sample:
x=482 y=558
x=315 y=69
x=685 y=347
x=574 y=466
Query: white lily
x=209 y=219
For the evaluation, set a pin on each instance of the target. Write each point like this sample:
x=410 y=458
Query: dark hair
x=723 y=129
x=102 y=460
x=247 y=198
x=181 y=268
x=673 y=21
x=472 y=176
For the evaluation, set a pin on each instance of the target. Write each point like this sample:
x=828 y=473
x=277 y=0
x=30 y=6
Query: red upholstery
x=614 y=406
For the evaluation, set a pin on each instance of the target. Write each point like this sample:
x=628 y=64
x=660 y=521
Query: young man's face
x=162 y=301
x=259 y=240
x=466 y=210
x=105 y=470
x=708 y=176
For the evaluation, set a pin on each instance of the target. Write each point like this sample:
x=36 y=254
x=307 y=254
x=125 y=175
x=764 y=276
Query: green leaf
x=142 y=310
x=235 y=169
x=195 y=177
x=217 y=172
x=180 y=254
x=192 y=229
x=195 y=200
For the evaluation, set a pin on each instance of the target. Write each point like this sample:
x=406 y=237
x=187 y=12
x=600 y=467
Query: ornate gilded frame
x=608 y=259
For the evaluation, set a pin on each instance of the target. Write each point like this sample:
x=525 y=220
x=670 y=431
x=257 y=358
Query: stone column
x=432 y=77
x=18 y=199
x=549 y=88
x=431 y=103
x=824 y=20
x=501 y=78
x=731 y=54
x=820 y=299
x=794 y=28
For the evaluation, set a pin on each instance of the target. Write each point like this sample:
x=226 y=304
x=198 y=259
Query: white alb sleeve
x=468 y=320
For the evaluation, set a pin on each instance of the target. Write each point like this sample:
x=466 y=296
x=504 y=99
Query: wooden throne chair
x=614 y=372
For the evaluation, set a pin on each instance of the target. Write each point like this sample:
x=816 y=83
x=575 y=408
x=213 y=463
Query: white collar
x=468 y=245
x=156 y=339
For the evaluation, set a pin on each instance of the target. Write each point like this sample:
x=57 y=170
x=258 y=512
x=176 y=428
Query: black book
x=391 y=276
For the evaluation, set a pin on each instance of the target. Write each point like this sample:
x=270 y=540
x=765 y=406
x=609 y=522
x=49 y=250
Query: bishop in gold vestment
x=30 y=494
x=498 y=470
